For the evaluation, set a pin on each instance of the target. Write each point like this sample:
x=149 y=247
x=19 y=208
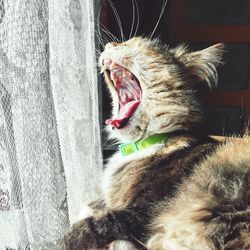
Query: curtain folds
x=50 y=150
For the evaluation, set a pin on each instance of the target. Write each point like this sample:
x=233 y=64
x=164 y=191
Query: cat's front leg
x=99 y=232
x=84 y=235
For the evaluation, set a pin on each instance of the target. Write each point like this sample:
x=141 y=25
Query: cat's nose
x=110 y=45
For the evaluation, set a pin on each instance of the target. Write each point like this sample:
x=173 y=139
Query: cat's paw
x=81 y=236
x=122 y=245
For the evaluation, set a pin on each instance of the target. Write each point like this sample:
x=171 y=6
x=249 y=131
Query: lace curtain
x=50 y=154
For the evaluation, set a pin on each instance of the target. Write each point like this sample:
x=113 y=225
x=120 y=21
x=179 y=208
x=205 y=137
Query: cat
x=170 y=186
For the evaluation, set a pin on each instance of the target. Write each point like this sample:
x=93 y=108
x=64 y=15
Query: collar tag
x=127 y=149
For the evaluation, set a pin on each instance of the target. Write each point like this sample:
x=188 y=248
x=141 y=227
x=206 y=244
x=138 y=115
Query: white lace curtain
x=50 y=157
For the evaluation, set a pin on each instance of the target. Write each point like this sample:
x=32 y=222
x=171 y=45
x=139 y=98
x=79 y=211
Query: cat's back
x=234 y=150
x=211 y=209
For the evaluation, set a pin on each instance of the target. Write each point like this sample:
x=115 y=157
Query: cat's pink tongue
x=125 y=112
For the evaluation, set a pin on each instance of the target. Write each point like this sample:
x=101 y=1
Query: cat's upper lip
x=115 y=69
x=128 y=90
x=107 y=64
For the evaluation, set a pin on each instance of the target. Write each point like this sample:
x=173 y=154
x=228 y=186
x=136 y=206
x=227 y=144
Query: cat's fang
x=103 y=68
x=124 y=73
x=112 y=77
x=113 y=65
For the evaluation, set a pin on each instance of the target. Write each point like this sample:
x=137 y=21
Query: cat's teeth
x=122 y=95
x=104 y=67
x=124 y=73
x=112 y=76
x=117 y=70
x=130 y=95
x=112 y=65
x=120 y=79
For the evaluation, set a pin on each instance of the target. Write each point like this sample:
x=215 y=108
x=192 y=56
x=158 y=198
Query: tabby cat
x=170 y=186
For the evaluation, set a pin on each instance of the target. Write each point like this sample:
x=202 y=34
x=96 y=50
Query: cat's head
x=153 y=87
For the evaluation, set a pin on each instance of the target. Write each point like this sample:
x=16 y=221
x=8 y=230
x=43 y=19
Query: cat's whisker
x=138 y=17
x=110 y=35
x=103 y=34
x=107 y=138
x=112 y=143
x=98 y=24
x=104 y=28
x=99 y=36
x=105 y=39
x=100 y=39
x=139 y=241
x=97 y=53
x=133 y=20
x=117 y=18
x=158 y=21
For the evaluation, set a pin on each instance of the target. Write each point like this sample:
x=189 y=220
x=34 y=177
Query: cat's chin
x=124 y=115
x=127 y=134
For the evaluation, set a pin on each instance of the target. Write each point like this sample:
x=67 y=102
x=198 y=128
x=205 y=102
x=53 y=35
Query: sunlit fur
x=168 y=79
x=212 y=203
x=190 y=193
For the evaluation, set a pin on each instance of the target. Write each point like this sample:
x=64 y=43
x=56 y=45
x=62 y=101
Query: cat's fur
x=190 y=193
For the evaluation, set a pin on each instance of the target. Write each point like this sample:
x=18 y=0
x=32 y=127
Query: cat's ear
x=201 y=65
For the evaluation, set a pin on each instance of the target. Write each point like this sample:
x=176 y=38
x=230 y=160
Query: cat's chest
x=123 y=175
x=151 y=175
x=124 y=183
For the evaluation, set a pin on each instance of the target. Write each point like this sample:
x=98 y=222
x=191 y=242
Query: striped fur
x=191 y=193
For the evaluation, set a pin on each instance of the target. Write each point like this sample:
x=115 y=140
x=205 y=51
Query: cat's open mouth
x=128 y=90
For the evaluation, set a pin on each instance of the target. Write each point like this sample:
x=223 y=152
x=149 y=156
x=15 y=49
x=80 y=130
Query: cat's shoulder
x=233 y=149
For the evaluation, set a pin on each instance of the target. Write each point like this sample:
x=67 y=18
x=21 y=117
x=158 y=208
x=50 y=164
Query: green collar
x=130 y=148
